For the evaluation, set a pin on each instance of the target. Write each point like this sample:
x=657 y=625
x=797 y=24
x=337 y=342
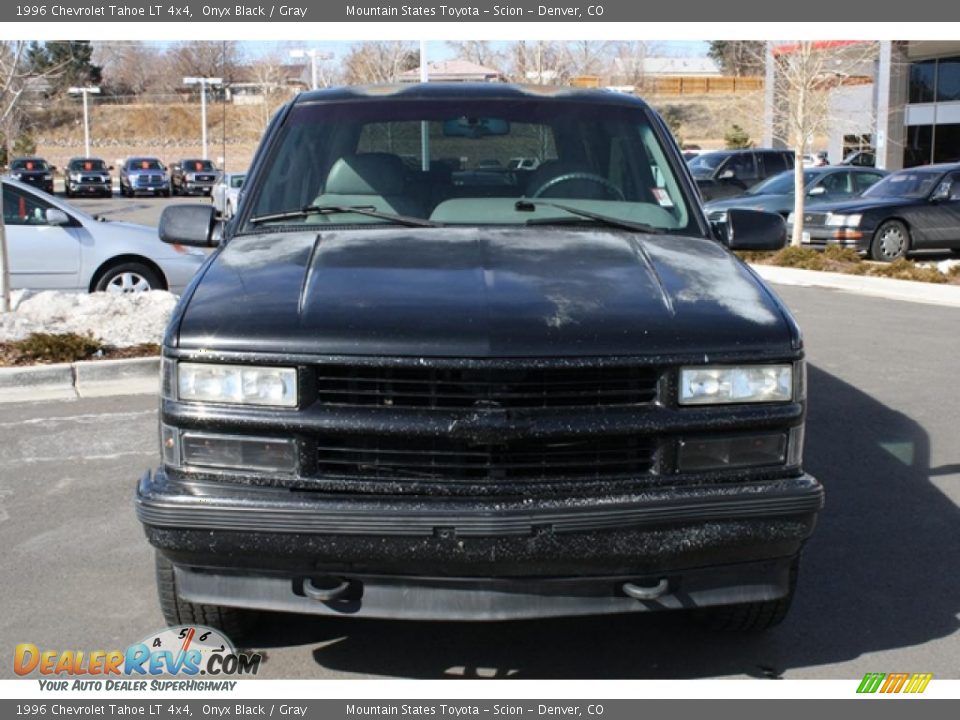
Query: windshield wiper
x=530 y=205
x=367 y=210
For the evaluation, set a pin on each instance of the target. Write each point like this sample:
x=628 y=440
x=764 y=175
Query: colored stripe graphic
x=913 y=683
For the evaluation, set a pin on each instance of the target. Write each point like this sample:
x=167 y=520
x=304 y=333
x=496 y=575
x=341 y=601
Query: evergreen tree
x=738 y=57
x=66 y=62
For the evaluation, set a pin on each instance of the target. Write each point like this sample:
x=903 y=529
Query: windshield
x=905 y=184
x=144 y=164
x=87 y=165
x=706 y=162
x=30 y=164
x=236 y=181
x=782 y=184
x=456 y=162
x=197 y=166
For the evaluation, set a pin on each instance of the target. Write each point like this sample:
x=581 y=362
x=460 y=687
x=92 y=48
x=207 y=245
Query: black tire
x=890 y=242
x=129 y=277
x=236 y=623
x=165 y=193
x=67 y=193
x=750 y=617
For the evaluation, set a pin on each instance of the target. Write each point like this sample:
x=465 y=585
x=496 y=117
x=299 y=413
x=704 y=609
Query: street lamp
x=86 y=115
x=314 y=55
x=204 y=83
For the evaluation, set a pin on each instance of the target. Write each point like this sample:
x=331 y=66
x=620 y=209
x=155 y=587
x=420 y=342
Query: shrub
x=736 y=138
x=908 y=270
x=49 y=348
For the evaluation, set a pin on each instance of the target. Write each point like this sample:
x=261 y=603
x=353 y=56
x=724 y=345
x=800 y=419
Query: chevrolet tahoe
x=397 y=390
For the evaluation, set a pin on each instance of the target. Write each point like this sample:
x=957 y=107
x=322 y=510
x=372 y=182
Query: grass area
x=47 y=348
x=847 y=261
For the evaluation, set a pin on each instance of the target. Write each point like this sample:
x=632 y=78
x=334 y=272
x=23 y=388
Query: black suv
x=192 y=176
x=33 y=171
x=399 y=390
x=728 y=173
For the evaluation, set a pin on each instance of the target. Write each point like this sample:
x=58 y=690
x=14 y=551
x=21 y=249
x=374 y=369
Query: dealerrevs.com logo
x=186 y=651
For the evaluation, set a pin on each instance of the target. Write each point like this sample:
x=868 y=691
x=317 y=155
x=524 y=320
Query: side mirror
x=188 y=225
x=752 y=230
x=728 y=174
x=56 y=216
x=818 y=190
x=53 y=168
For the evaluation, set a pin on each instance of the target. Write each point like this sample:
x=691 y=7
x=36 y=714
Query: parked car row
x=138 y=175
x=881 y=215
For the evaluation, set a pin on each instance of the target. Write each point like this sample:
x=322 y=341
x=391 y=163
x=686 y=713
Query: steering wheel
x=590 y=177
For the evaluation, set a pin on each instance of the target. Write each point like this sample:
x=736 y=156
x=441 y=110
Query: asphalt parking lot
x=878 y=589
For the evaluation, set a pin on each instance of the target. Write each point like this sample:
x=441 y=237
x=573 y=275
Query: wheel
x=165 y=193
x=891 y=241
x=235 y=623
x=129 y=277
x=608 y=186
x=66 y=192
x=123 y=191
x=750 y=617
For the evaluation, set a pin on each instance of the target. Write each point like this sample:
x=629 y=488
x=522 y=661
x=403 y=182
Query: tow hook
x=325 y=594
x=645 y=592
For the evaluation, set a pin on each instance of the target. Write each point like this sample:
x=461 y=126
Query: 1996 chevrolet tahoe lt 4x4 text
x=413 y=381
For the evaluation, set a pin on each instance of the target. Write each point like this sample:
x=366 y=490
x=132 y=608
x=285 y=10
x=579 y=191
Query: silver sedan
x=226 y=193
x=54 y=246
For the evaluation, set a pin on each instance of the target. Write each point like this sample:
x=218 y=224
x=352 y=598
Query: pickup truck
x=390 y=393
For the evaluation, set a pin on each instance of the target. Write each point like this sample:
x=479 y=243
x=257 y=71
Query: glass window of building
x=948 y=79
x=923 y=77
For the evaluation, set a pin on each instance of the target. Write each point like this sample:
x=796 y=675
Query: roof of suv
x=479 y=91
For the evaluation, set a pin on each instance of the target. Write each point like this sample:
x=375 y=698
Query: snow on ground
x=120 y=320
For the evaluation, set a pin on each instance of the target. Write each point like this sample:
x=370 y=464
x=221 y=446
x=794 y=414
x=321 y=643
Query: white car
x=226 y=193
x=54 y=246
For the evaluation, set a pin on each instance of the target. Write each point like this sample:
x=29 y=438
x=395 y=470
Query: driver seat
x=377 y=180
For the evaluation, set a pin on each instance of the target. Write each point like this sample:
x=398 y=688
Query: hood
x=856 y=205
x=773 y=202
x=479 y=292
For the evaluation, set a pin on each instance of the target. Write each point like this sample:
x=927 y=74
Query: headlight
x=75 y=177
x=735 y=384
x=17 y=176
x=48 y=176
x=843 y=220
x=790 y=219
x=237 y=384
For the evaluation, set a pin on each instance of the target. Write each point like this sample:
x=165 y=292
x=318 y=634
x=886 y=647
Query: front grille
x=148 y=180
x=205 y=178
x=481 y=388
x=451 y=460
x=92 y=179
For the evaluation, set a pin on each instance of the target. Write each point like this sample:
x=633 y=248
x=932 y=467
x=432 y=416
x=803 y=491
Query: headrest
x=366 y=174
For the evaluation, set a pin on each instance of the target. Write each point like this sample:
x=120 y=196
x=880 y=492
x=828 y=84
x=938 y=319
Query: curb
x=889 y=288
x=86 y=379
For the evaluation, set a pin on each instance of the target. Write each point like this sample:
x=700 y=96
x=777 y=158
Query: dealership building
x=912 y=114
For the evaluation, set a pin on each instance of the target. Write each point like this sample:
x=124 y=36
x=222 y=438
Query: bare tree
x=585 y=57
x=131 y=67
x=379 y=61
x=202 y=58
x=805 y=73
x=13 y=78
x=481 y=52
x=270 y=74
x=629 y=63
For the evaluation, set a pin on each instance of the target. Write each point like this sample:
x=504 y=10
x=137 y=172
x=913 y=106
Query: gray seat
x=377 y=180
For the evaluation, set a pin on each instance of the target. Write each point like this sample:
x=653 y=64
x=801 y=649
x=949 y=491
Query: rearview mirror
x=752 y=230
x=728 y=174
x=191 y=225
x=818 y=190
x=475 y=127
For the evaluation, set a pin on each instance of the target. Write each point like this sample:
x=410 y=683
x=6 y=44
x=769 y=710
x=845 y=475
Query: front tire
x=129 y=277
x=236 y=623
x=890 y=242
x=751 y=617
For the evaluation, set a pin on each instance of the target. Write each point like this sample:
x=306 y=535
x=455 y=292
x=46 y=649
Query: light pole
x=86 y=113
x=204 y=83
x=314 y=55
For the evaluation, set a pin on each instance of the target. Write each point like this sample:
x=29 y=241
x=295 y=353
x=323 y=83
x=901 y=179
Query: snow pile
x=115 y=319
x=945 y=266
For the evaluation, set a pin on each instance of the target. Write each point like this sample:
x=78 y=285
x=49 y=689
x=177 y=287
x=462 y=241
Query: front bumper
x=192 y=187
x=91 y=188
x=255 y=547
x=819 y=238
